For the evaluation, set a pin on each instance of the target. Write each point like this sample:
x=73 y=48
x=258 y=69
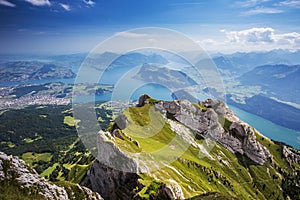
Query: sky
x=71 y=26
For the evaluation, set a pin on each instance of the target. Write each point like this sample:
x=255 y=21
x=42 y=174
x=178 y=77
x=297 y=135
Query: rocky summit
x=184 y=150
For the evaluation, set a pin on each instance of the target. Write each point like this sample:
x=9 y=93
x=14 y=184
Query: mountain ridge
x=243 y=164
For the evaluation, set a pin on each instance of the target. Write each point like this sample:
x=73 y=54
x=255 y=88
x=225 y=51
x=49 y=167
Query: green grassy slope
x=221 y=175
x=46 y=139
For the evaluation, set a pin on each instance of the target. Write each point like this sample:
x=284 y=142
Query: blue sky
x=52 y=26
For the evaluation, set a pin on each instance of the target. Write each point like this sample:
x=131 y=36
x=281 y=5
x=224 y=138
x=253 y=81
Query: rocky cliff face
x=15 y=170
x=115 y=184
x=238 y=137
x=132 y=166
x=111 y=183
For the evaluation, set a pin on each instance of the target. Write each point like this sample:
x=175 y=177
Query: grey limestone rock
x=240 y=138
x=290 y=156
x=111 y=183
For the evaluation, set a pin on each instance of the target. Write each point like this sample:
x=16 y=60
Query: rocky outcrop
x=121 y=121
x=14 y=169
x=241 y=139
x=173 y=190
x=114 y=184
x=111 y=183
x=143 y=100
x=210 y=123
x=111 y=156
x=290 y=156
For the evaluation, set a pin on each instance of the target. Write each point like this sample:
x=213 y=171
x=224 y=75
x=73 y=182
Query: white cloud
x=292 y=38
x=207 y=42
x=7 y=3
x=261 y=39
x=290 y=3
x=39 y=2
x=89 y=2
x=252 y=35
x=65 y=6
x=245 y=38
x=262 y=36
x=259 y=7
x=131 y=35
x=263 y=10
x=249 y=3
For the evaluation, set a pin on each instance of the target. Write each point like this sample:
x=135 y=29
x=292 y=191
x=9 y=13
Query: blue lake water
x=153 y=90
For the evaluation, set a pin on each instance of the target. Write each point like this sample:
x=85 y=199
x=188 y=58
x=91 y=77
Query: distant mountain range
x=243 y=62
x=281 y=81
x=126 y=61
x=278 y=96
x=264 y=83
x=32 y=70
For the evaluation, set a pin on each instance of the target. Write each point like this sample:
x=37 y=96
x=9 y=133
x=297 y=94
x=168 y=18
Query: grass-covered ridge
x=220 y=175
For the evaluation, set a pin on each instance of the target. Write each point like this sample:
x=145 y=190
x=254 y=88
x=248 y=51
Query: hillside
x=268 y=108
x=179 y=150
x=161 y=75
x=281 y=81
x=19 y=181
x=45 y=137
